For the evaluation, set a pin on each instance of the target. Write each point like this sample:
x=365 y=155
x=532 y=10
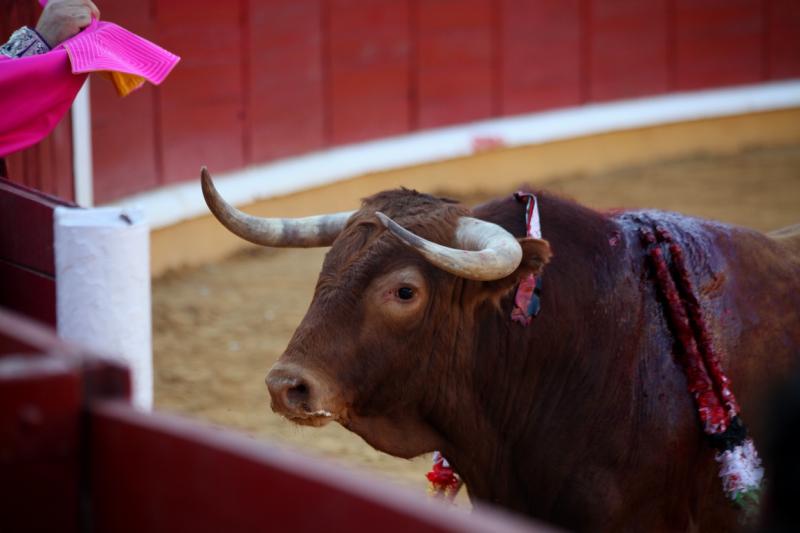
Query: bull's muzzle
x=298 y=395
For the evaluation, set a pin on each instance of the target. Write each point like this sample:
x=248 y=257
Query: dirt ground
x=218 y=328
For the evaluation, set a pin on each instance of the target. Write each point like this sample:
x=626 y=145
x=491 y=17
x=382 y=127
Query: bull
x=581 y=419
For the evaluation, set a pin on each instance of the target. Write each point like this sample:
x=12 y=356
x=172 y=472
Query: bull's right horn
x=486 y=251
x=307 y=232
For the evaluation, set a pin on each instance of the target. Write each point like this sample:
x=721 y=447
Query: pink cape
x=36 y=91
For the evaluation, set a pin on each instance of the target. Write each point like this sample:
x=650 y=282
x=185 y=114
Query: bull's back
x=789 y=239
x=749 y=290
x=756 y=316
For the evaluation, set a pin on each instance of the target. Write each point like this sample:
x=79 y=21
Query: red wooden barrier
x=628 y=48
x=454 y=61
x=39 y=404
x=540 y=55
x=47 y=166
x=285 y=91
x=44 y=383
x=718 y=43
x=783 y=38
x=264 y=80
x=27 y=260
x=368 y=69
x=76 y=456
x=125 y=133
x=181 y=476
x=201 y=106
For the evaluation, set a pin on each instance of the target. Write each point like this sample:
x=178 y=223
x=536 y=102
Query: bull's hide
x=581 y=419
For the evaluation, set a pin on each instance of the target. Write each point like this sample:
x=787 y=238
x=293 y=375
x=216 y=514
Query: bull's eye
x=405 y=293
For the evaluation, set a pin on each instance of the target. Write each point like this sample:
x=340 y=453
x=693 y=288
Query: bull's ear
x=535 y=255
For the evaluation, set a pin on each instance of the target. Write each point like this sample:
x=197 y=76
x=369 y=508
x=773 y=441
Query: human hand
x=61 y=19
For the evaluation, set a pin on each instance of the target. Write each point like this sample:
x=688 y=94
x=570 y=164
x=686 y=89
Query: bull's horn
x=320 y=230
x=486 y=251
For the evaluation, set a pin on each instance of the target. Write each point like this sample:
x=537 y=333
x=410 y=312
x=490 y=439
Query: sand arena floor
x=218 y=328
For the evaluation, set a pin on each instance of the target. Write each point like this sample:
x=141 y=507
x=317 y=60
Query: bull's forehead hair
x=364 y=245
x=408 y=204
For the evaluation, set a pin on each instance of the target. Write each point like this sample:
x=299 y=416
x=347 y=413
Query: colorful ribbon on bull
x=527 y=301
x=444 y=483
x=740 y=466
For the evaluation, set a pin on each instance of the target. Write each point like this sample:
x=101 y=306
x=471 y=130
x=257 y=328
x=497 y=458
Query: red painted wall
x=455 y=61
x=719 y=42
x=627 y=48
x=367 y=64
x=539 y=55
x=284 y=86
x=783 y=39
x=262 y=80
x=125 y=135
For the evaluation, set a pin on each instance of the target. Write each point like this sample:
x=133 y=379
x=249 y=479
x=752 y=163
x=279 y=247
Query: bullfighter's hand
x=62 y=19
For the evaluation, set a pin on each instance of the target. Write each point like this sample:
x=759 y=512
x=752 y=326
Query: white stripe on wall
x=172 y=204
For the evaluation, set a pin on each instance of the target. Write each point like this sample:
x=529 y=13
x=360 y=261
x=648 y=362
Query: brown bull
x=581 y=419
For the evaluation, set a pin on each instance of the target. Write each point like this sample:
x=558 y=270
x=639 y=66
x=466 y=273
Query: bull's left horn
x=320 y=230
x=489 y=251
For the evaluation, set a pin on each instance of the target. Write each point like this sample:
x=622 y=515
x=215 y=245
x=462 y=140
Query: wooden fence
x=262 y=80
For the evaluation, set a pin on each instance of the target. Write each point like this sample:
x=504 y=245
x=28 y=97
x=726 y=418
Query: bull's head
x=392 y=322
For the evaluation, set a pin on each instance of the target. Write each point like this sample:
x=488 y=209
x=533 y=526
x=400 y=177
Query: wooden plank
x=19 y=334
x=39 y=415
x=285 y=99
x=540 y=62
x=44 y=383
x=718 y=43
x=56 y=161
x=124 y=130
x=46 y=166
x=201 y=103
x=27 y=259
x=783 y=45
x=180 y=476
x=26 y=217
x=16 y=14
x=101 y=377
x=368 y=58
x=123 y=138
x=30 y=293
x=629 y=48
x=455 y=68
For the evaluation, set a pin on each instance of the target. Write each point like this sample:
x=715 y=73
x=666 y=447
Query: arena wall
x=496 y=171
x=262 y=81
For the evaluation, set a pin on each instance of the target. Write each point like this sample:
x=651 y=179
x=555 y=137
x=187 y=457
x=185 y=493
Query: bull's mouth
x=315 y=419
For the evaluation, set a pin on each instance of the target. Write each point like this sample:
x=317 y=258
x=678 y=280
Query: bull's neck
x=536 y=388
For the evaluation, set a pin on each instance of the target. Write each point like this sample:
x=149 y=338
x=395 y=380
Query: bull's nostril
x=298 y=395
x=292 y=391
